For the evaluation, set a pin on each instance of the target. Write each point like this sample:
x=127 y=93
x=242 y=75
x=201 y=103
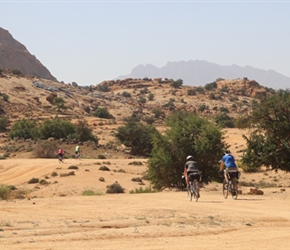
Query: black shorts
x=193 y=175
x=233 y=173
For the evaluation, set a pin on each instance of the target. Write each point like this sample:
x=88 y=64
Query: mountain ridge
x=201 y=72
x=14 y=55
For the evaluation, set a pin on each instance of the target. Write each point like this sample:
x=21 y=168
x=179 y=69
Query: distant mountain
x=199 y=73
x=14 y=55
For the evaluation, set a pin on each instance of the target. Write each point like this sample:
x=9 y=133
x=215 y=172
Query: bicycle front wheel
x=235 y=189
x=189 y=194
x=225 y=189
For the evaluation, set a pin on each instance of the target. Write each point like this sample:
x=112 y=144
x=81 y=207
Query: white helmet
x=189 y=157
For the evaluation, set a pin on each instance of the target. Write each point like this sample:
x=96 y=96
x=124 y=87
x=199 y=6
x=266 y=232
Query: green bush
x=59 y=102
x=4 y=191
x=187 y=134
x=56 y=128
x=137 y=136
x=24 y=128
x=101 y=112
x=151 y=97
x=3 y=123
x=191 y=92
x=176 y=84
x=126 y=94
x=210 y=86
x=84 y=133
x=224 y=120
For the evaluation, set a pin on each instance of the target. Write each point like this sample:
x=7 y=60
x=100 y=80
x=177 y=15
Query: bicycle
x=228 y=187
x=193 y=190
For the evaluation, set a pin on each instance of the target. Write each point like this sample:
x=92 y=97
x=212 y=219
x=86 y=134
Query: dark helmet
x=189 y=157
x=227 y=152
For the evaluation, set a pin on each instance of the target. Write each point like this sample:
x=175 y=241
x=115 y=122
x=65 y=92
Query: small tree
x=269 y=143
x=176 y=84
x=59 y=102
x=101 y=112
x=84 y=133
x=188 y=134
x=137 y=136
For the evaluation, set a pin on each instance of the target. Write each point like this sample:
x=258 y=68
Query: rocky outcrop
x=14 y=55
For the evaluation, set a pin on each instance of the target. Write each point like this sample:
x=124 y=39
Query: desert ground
x=57 y=216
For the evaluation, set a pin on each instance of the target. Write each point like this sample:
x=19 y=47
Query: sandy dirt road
x=152 y=221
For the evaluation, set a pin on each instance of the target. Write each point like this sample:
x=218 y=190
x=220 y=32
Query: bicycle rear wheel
x=196 y=190
x=225 y=189
x=235 y=189
x=189 y=194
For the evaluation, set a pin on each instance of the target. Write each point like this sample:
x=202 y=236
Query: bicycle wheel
x=235 y=190
x=196 y=191
x=189 y=193
x=225 y=189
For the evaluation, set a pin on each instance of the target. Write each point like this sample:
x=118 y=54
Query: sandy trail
x=164 y=220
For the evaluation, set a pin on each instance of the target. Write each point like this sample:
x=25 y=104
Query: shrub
x=73 y=167
x=126 y=94
x=157 y=112
x=104 y=168
x=191 y=92
x=137 y=136
x=142 y=190
x=103 y=87
x=56 y=128
x=101 y=112
x=33 y=181
x=3 y=123
x=176 y=84
x=4 y=191
x=115 y=188
x=224 y=120
x=200 y=90
x=101 y=156
x=142 y=99
x=16 y=72
x=5 y=97
x=84 y=133
x=59 y=102
x=89 y=192
x=210 y=86
x=26 y=129
x=151 y=97
x=136 y=179
x=46 y=149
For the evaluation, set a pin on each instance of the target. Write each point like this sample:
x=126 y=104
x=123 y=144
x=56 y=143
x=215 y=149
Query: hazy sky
x=91 y=41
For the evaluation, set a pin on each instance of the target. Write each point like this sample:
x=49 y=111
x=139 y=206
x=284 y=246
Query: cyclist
x=60 y=155
x=77 y=151
x=228 y=161
x=191 y=166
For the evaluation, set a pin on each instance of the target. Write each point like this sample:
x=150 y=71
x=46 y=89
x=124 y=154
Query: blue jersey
x=229 y=161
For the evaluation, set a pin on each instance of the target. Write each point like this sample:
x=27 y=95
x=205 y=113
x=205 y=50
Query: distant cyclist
x=78 y=151
x=191 y=166
x=228 y=161
x=60 y=155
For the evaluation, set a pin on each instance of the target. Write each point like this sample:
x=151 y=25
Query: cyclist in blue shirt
x=228 y=161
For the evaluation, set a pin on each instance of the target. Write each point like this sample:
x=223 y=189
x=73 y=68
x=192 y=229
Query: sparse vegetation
x=141 y=190
x=115 y=188
x=89 y=192
x=4 y=191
